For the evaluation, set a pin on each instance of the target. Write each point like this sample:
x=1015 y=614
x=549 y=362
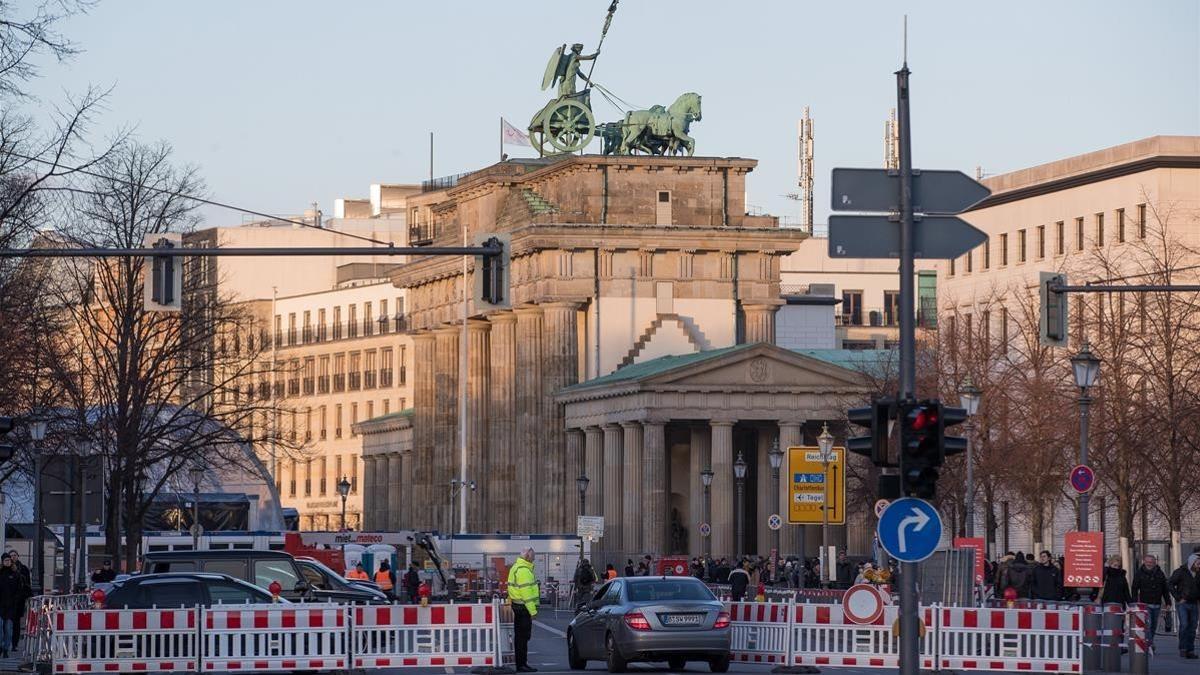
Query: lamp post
x=343 y=488
x=776 y=457
x=581 y=484
x=706 y=476
x=1086 y=367
x=969 y=395
x=37 y=433
x=825 y=445
x=197 y=474
x=79 y=463
x=739 y=472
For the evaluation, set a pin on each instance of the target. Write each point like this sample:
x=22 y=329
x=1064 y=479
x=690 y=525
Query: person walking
x=1185 y=589
x=11 y=603
x=1116 y=585
x=845 y=570
x=1016 y=576
x=385 y=578
x=412 y=584
x=524 y=595
x=1150 y=588
x=105 y=575
x=585 y=582
x=629 y=570
x=739 y=581
x=26 y=593
x=1046 y=583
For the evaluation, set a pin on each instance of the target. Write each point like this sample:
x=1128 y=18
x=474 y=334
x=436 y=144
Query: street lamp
x=197 y=474
x=37 y=433
x=825 y=445
x=706 y=476
x=776 y=457
x=581 y=485
x=739 y=472
x=1086 y=366
x=969 y=396
x=82 y=451
x=343 y=488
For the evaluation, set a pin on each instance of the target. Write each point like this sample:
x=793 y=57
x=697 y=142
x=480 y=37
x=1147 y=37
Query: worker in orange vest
x=386 y=578
x=358 y=573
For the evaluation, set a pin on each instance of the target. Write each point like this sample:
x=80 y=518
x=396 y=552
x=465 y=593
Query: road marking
x=551 y=629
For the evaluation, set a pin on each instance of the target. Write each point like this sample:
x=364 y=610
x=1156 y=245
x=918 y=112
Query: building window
x=951 y=268
x=339 y=372
x=1141 y=224
x=308 y=478
x=387 y=406
x=292 y=479
x=1004 y=330
x=291 y=340
x=337 y=421
x=1121 y=226
x=278 y=337
x=353 y=474
x=383 y=316
x=1021 y=252
x=306 y=329
x=985 y=328
x=322 y=472
x=321 y=331
x=337 y=323
x=987 y=253
x=310 y=375
x=308 y=423
x=1041 y=242
x=337 y=469
x=970 y=261
x=1059 y=238
x=1099 y=230
x=353 y=419
x=891 y=307
x=323 y=422
x=323 y=376
x=369 y=371
x=352 y=321
x=370 y=410
x=1004 y=249
x=355 y=371
x=385 y=367
x=368 y=325
x=1079 y=234
x=402 y=376
x=852 y=308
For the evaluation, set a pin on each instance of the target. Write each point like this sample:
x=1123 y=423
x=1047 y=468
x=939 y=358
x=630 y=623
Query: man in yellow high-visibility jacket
x=524 y=595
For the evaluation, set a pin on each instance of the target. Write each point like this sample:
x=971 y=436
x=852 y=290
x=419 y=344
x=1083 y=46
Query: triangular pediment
x=759 y=366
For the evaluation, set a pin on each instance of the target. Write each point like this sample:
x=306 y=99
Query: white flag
x=511 y=135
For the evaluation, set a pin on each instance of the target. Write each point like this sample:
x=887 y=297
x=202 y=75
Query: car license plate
x=682 y=619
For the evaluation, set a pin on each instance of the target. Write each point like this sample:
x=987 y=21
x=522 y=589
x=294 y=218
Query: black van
x=259 y=568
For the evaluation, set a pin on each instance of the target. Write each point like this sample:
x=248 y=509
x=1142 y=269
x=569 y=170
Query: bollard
x=1091 y=638
x=1139 y=658
x=1112 y=624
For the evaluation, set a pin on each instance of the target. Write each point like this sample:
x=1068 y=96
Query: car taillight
x=722 y=620
x=637 y=621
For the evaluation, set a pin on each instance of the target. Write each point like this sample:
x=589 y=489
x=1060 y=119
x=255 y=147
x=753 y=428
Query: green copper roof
x=407 y=412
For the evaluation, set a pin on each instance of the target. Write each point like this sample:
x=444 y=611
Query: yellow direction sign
x=808 y=482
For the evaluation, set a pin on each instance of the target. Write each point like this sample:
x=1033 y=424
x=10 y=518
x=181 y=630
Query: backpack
x=1018 y=577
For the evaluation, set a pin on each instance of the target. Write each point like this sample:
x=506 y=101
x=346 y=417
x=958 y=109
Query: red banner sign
x=980 y=553
x=1084 y=559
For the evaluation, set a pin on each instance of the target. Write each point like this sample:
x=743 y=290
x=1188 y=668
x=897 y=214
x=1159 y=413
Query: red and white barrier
x=124 y=640
x=438 y=635
x=275 y=637
x=1035 y=640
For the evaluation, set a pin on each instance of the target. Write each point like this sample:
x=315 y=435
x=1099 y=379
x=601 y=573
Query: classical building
x=638 y=350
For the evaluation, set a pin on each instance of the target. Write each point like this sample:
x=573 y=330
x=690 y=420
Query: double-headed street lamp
x=776 y=457
x=343 y=488
x=197 y=474
x=706 y=476
x=1086 y=367
x=969 y=396
x=37 y=433
x=739 y=472
x=825 y=445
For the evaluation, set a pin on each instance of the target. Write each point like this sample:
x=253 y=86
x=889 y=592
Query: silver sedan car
x=672 y=619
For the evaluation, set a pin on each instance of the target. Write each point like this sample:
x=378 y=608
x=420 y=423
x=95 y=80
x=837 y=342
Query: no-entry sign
x=1084 y=559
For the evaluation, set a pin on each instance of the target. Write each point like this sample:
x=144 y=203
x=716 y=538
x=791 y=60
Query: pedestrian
x=105 y=574
x=12 y=603
x=649 y=563
x=629 y=571
x=412 y=584
x=723 y=571
x=844 y=569
x=524 y=595
x=1001 y=568
x=861 y=578
x=1046 y=582
x=358 y=573
x=585 y=582
x=610 y=572
x=1150 y=588
x=739 y=581
x=26 y=593
x=1185 y=590
x=1116 y=585
x=385 y=578
x=1016 y=576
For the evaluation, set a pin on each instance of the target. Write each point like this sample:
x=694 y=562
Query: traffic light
x=952 y=445
x=875 y=419
x=1052 y=322
x=6 y=450
x=492 y=273
x=920 y=447
x=164 y=281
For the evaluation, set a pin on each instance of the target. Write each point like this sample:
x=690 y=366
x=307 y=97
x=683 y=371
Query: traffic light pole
x=909 y=643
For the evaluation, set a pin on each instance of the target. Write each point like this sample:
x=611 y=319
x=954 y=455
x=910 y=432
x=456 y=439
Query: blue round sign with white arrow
x=909 y=529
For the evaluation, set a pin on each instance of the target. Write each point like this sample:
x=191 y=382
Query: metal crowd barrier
x=38 y=609
x=274 y=637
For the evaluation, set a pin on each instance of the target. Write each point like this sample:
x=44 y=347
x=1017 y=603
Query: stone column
x=614 y=487
x=760 y=320
x=722 y=490
x=575 y=469
x=655 y=488
x=501 y=476
x=791 y=435
x=768 y=495
x=593 y=451
x=478 y=392
x=424 y=404
x=370 y=494
x=406 y=492
x=560 y=354
x=700 y=458
x=531 y=428
x=395 y=490
x=445 y=442
x=631 y=489
x=383 y=495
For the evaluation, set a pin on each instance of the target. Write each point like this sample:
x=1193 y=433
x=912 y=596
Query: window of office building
x=355 y=371
x=1059 y=238
x=339 y=372
x=322 y=475
x=370 y=410
x=1079 y=234
x=1021 y=252
x=353 y=418
x=852 y=308
x=891 y=307
x=337 y=323
x=1004 y=249
x=353 y=474
x=1041 y=242
x=322 y=332
x=337 y=421
x=352 y=320
x=321 y=419
x=369 y=371
x=368 y=320
x=1004 y=328
x=970 y=261
x=387 y=406
x=1120 y=225
x=1099 y=230
x=987 y=253
x=402 y=375
x=1141 y=221
x=385 y=367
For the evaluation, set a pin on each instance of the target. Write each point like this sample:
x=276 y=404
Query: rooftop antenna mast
x=804 y=171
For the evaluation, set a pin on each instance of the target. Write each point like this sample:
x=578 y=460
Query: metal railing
x=874 y=317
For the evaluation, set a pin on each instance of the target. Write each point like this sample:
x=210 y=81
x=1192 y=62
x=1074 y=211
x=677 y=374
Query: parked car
x=257 y=567
x=187 y=589
x=320 y=576
x=672 y=619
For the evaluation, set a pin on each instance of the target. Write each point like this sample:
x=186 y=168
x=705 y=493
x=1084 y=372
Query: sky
x=283 y=103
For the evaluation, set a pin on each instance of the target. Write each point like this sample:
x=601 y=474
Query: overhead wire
x=201 y=200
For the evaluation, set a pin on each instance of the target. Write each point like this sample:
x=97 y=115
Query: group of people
x=16 y=587
x=1043 y=580
x=405 y=589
